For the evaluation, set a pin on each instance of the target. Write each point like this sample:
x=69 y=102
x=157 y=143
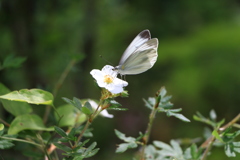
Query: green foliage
x=77 y=151
x=86 y=108
x=130 y=142
x=69 y=116
x=14 y=107
x=27 y=122
x=164 y=105
x=12 y=62
x=33 y=96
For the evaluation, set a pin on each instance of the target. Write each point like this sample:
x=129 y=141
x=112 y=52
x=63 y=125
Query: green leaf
x=27 y=122
x=13 y=107
x=90 y=148
x=176 y=147
x=123 y=137
x=70 y=116
x=60 y=131
x=163 y=145
x=63 y=147
x=92 y=153
x=229 y=150
x=87 y=109
x=147 y=104
x=13 y=62
x=163 y=91
x=124 y=146
x=1 y=126
x=33 y=96
x=68 y=101
x=5 y=144
x=177 y=115
x=217 y=136
x=77 y=103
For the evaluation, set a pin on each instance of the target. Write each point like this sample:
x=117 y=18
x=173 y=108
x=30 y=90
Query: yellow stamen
x=108 y=79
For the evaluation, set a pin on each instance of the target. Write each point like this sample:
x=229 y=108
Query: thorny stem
x=208 y=143
x=58 y=86
x=149 y=128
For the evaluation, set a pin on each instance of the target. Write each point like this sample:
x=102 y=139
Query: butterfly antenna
x=105 y=59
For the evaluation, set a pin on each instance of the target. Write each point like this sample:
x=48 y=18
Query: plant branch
x=58 y=86
x=21 y=140
x=149 y=128
x=4 y=122
x=208 y=143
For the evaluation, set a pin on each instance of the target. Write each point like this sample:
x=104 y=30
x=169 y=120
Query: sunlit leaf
x=14 y=107
x=27 y=122
x=33 y=96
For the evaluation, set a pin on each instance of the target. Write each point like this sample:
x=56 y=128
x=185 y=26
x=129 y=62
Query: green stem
x=58 y=86
x=90 y=119
x=208 y=143
x=149 y=128
x=21 y=140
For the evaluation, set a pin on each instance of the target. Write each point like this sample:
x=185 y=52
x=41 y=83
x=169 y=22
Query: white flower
x=107 y=78
x=104 y=112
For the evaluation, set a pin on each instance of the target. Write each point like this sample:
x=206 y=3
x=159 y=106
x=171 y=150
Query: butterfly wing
x=140 y=39
x=141 y=60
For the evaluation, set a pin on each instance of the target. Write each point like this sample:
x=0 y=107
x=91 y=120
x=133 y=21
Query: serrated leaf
x=5 y=144
x=60 y=131
x=175 y=110
x=163 y=145
x=165 y=99
x=123 y=137
x=27 y=122
x=124 y=146
x=147 y=104
x=14 y=107
x=179 y=116
x=176 y=147
x=33 y=96
x=63 y=147
x=229 y=151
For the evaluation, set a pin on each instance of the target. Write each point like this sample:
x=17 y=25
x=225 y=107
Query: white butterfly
x=140 y=55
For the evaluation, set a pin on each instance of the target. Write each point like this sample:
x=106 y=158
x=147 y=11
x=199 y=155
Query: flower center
x=108 y=79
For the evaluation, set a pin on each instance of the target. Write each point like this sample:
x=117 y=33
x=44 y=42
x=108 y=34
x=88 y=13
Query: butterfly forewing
x=141 y=60
x=140 y=39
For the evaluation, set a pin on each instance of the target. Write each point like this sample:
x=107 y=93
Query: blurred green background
x=198 y=62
